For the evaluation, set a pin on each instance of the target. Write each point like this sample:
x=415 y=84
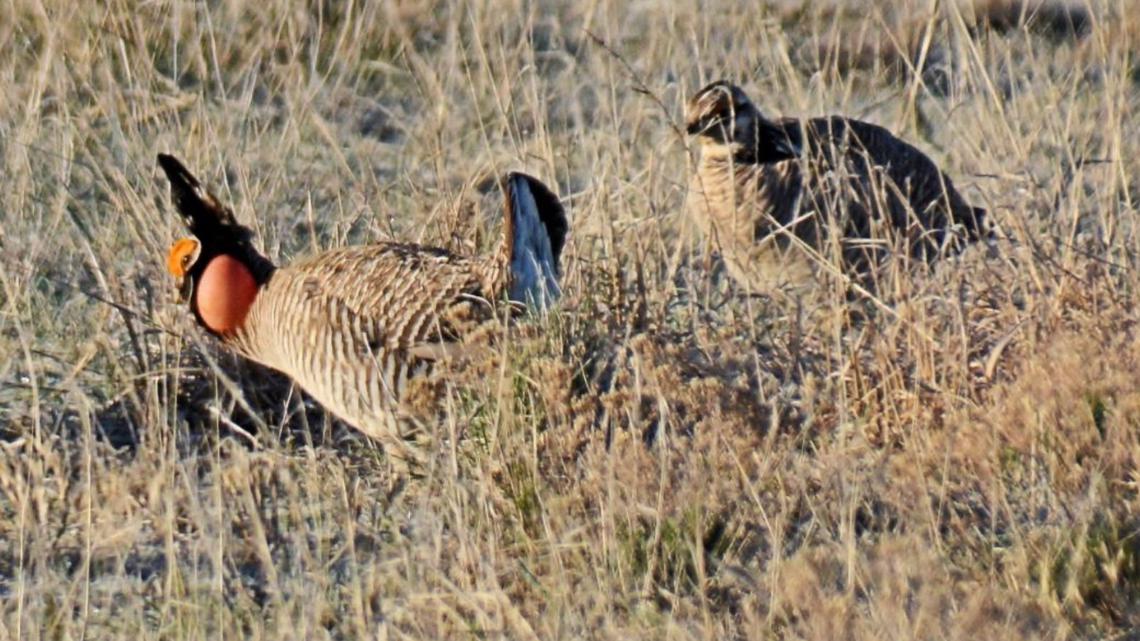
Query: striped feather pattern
x=349 y=325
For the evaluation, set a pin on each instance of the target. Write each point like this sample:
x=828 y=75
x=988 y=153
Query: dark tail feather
x=536 y=233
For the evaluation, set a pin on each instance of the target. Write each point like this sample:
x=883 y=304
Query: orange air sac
x=225 y=294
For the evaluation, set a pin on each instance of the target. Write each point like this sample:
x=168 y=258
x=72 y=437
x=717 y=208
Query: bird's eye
x=185 y=261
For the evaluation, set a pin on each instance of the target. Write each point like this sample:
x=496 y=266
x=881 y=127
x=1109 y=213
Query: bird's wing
x=403 y=297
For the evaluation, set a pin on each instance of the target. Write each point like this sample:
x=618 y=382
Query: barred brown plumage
x=783 y=197
x=352 y=325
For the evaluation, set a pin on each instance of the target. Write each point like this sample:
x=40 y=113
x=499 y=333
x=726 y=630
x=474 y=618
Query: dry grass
x=661 y=458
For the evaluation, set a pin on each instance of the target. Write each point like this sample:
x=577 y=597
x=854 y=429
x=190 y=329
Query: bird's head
x=217 y=270
x=220 y=287
x=720 y=113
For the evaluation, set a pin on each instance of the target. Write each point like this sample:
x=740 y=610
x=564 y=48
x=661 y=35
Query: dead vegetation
x=659 y=458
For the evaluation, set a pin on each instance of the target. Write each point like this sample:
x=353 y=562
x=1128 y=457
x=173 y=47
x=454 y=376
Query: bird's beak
x=185 y=289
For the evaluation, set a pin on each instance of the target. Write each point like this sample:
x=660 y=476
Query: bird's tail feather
x=534 y=233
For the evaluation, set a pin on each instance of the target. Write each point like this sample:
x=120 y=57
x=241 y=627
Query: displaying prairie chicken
x=786 y=200
x=351 y=326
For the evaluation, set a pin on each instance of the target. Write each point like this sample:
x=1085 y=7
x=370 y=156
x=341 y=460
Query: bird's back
x=880 y=189
x=352 y=325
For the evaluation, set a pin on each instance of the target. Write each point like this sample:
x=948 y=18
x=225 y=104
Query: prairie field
x=662 y=456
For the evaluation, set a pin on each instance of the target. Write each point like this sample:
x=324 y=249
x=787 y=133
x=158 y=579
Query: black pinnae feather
x=210 y=221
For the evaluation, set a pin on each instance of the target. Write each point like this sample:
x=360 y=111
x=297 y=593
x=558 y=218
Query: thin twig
x=639 y=84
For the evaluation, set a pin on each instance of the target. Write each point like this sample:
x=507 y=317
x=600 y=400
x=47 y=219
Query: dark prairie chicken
x=786 y=200
x=351 y=326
